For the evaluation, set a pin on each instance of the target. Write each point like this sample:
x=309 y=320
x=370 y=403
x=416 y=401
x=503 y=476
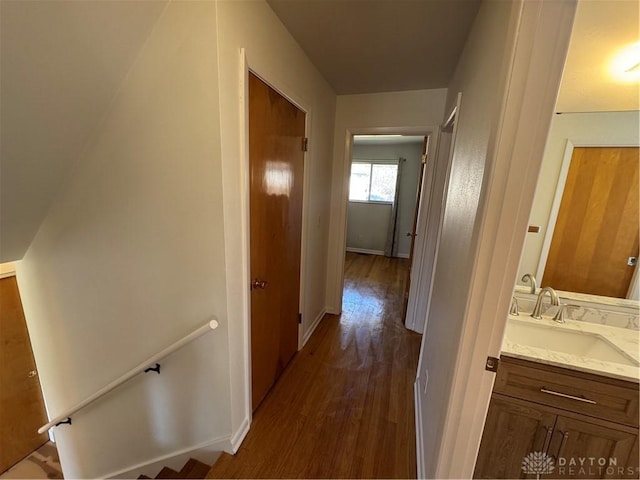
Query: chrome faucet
x=538 y=308
x=530 y=278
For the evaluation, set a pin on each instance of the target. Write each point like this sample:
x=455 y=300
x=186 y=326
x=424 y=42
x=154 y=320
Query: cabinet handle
x=564 y=395
x=547 y=439
x=565 y=437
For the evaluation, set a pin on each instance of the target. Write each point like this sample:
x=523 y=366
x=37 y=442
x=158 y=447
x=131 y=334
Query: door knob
x=259 y=284
x=32 y=374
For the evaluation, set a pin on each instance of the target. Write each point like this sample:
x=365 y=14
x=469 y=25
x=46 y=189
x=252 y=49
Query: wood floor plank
x=343 y=408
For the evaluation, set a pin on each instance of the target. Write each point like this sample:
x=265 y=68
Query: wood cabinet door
x=588 y=450
x=513 y=429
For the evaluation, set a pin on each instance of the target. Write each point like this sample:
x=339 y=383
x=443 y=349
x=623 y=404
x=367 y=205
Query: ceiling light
x=625 y=65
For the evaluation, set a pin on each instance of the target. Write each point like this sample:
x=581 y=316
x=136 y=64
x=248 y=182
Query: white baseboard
x=374 y=252
x=333 y=310
x=365 y=250
x=313 y=327
x=238 y=437
x=419 y=432
x=206 y=452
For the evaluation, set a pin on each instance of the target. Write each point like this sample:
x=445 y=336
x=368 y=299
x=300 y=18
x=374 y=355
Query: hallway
x=344 y=406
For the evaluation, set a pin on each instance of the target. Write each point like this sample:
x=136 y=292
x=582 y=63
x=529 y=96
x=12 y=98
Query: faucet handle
x=559 y=316
x=513 y=310
x=528 y=277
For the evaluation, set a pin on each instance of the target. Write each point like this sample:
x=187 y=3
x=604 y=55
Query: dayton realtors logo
x=538 y=463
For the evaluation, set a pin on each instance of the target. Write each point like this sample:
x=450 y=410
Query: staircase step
x=167 y=472
x=194 y=469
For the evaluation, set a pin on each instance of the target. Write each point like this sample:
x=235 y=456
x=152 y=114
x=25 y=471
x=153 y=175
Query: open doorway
x=385 y=185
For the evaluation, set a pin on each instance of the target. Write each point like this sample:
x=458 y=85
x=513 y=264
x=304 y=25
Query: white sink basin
x=558 y=339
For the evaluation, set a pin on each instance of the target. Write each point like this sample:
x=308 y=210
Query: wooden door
x=412 y=233
x=580 y=439
x=21 y=405
x=276 y=157
x=598 y=223
x=513 y=429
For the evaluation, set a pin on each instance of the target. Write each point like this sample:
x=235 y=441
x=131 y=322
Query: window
x=373 y=182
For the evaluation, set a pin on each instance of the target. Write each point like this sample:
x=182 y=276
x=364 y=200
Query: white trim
x=206 y=452
x=313 y=326
x=402 y=255
x=431 y=208
x=365 y=251
x=542 y=40
x=557 y=199
x=245 y=239
x=7 y=269
x=420 y=466
x=237 y=438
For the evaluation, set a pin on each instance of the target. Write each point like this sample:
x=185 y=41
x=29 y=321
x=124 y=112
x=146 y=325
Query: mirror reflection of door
x=596 y=234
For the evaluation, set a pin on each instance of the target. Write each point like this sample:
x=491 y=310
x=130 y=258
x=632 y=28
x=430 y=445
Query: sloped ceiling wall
x=61 y=64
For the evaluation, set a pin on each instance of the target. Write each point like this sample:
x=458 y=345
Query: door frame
x=247 y=66
x=557 y=200
x=431 y=131
x=425 y=264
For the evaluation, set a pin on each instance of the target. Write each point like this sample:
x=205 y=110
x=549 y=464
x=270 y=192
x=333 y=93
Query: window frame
x=371 y=163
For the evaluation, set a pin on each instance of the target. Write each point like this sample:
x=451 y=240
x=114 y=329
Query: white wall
x=606 y=128
x=368 y=223
x=272 y=53
x=480 y=76
x=368 y=226
x=131 y=258
x=413 y=112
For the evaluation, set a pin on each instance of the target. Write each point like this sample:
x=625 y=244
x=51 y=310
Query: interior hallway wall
x=481 y=77
x=131 y=258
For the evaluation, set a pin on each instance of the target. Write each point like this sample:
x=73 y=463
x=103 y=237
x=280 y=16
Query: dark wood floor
x=343 y=408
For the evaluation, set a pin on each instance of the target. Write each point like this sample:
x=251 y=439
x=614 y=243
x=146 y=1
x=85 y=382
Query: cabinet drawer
x=599 y=397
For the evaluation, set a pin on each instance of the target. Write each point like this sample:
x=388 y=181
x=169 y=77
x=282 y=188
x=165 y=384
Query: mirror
x=596 y=116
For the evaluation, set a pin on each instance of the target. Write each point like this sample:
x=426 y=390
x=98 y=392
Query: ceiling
x=601 y=29
x=61 y=64
x=380 y=45
x=386 y=139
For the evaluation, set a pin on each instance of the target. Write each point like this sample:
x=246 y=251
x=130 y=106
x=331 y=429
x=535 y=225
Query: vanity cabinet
x=586 y=423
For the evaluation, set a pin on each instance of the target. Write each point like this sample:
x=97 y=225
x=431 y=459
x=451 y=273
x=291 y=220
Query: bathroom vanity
x=568 y=391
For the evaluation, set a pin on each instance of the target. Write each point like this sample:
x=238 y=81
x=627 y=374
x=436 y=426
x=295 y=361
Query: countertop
x=623 y=339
